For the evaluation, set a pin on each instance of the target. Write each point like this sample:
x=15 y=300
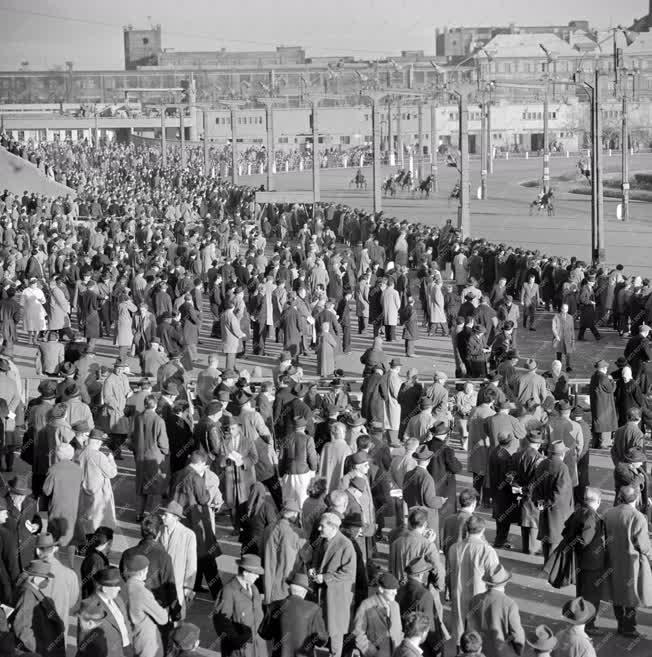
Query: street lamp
x=546 y=151
x=464 y=207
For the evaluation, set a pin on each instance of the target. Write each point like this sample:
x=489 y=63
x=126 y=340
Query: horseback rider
x=359 y=177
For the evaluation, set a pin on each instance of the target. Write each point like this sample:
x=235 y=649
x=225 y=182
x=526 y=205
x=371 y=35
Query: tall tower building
x=142 y=47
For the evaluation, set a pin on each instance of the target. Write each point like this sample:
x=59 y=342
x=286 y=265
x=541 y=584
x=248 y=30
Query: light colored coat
x=331 y=465
x=563 y=331
x=145 y=615
x=362 y=299
x=63 y=589
x=377 y=627
x=124 y=333
x=437 y=312
x=115 y=391
x=630 y=553
x=62 y=485
x=469 y=562
x=479 y=441
x=282 y=548
x=59 y=309
x=96 y=503
x=181 y=545
x=231 y=332
x=391 y=301
x=390 y=388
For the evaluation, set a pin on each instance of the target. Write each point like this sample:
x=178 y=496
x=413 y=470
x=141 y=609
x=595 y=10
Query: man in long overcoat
x=603 y=405
x=333 y=572
x=232 y=335
x=10 y=316
x=190 y=325
x=389 y=387
x=443 y=467
x=630 y=554
x=88 y=307
x=35 y=621
x=554 y=495
x=419 y=488
x=152 y=457
x=9 y=569
x=479 y=442
x=585 y=532
x=563 y=335
x=505 y=507
x=391 y=302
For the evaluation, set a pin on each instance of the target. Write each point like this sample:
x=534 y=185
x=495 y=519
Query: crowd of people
x=310 y=476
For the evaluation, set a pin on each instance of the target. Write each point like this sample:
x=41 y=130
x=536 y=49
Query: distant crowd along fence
x=579 y=388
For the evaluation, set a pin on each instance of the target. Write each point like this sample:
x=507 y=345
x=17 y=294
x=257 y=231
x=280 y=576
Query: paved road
x=504 y=216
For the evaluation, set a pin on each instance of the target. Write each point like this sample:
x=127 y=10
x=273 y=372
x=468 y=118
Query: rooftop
x=527 y=45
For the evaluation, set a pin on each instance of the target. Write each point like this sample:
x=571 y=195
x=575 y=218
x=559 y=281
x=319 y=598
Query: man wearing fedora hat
x=415 y=595
x=531 y=385
x=297 y=463
x=389 y=389
x=604 y=420
x=115 y=392
x=98 y=546
x=90 y=616
x=238 y=611
x=23 y=520
x=573 y=641
x=418 y=426
x=300 y=622
x=77 y=410
x=181 y=545
x=35 y=622
x=443 y=467
x=631 y=472
x=553 y=494
x=542 y=641
x=627 y=436
x=496 y=618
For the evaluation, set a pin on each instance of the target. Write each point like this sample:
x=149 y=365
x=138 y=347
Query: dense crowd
x=310 y=475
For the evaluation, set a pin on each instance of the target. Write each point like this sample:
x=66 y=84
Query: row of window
x=242 y=120
x=537 y=116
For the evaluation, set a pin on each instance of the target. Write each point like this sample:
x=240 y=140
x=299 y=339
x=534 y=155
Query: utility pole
x=206 y=155
x=390 y=140
x=421 y=140
x=490 y=152
x=182 y=131
x=483 y=147
x=164 y=154
x=399 y=137
x=268 y=102
x=624 y=152
x=376 y=174
x=464 y=208
x=316 y=191
x=434 y=146
x=233 y=106
x=598 y=253
x=546 y=152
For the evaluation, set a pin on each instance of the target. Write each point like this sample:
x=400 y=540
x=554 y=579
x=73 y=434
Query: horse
x=543 y=202
x=359 y=181
x=406 y=181
x=455 y=193
x=426 y=186
x=389 y=187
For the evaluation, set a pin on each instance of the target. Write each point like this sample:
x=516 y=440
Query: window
x=21 y=135
x=282 y=140
x=80 y=135
x=145 y=41
x=554 y=115
x=366 y=117
x=368 y=138
x=345 y=140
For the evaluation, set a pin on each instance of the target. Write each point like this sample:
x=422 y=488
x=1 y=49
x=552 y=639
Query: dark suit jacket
x=586 y=531
x=419 y=490
x=443 y=467
x=301 y=624
x=110 y=627
x=414 y=596
x=93 y=562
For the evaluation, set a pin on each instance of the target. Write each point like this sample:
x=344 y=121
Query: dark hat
x=621 y=361
x=423 y=454
x=134 y=563
x=557 y=448
x=426 y=402
x=299 y=421
x=388 y=581
x=355 y=420
x=242 y=397
x=228 y=421
x=229 y=374
x=98 y=434
x=91 y=609
x=185 y=636
x=634 y=455
x=395 y=362
x=601 y=364
x=170 y=388
x=577 y=411
x=418 y=565
x=108 y=577
x=534 y=435
x=45 y=541
x=213 y=407
x=299 y=389
x=360 y=457
x=299 y=579
x=71 y=390
x=376 y=427
x=39 y=568
x=564 y=405
x=4 y=365
x=439 y=429
x=542 y=639
x=48 y=389
x=498 y=576
x=81 y=427
x=578 y=611
x=58 y=411
x=19 y=485
x=336 y=383
x=352 y=520
x=174 y=508
x=251 y=563
x=511 y=354
x=531 y=364
x=167 y=315
x=68 y=368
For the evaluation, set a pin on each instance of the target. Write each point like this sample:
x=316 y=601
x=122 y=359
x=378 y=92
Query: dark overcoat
x=603 y=406
x=419 y=490
x=151 y=454
x=443 y=467
x=525 y=464
x=554 y=490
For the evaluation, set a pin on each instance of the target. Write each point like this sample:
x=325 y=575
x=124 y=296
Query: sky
x=47 y=33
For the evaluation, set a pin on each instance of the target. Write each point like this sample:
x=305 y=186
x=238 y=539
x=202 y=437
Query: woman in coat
x=436 y=310
x=563 y=335
x=362 y=302
x=410 y=323
x=59 y=307
x=34 y=316
x=124 y=335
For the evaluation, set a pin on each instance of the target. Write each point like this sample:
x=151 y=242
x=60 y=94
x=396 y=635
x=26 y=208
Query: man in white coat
x=96 y=503
x=390 y=386
x=391 y=300
x=181 y=544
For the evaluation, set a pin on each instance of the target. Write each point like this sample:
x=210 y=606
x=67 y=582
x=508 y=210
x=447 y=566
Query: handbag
x=561 y=566
x=266 y=628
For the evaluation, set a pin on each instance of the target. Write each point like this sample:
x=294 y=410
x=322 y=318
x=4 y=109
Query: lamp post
x=182 y=134
x=268 y=102
x=233 y=106
x=206 y=154
x=421 y=139
x=316 y=191
x=434 y=145
x=464 y=207
x=546 y=151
